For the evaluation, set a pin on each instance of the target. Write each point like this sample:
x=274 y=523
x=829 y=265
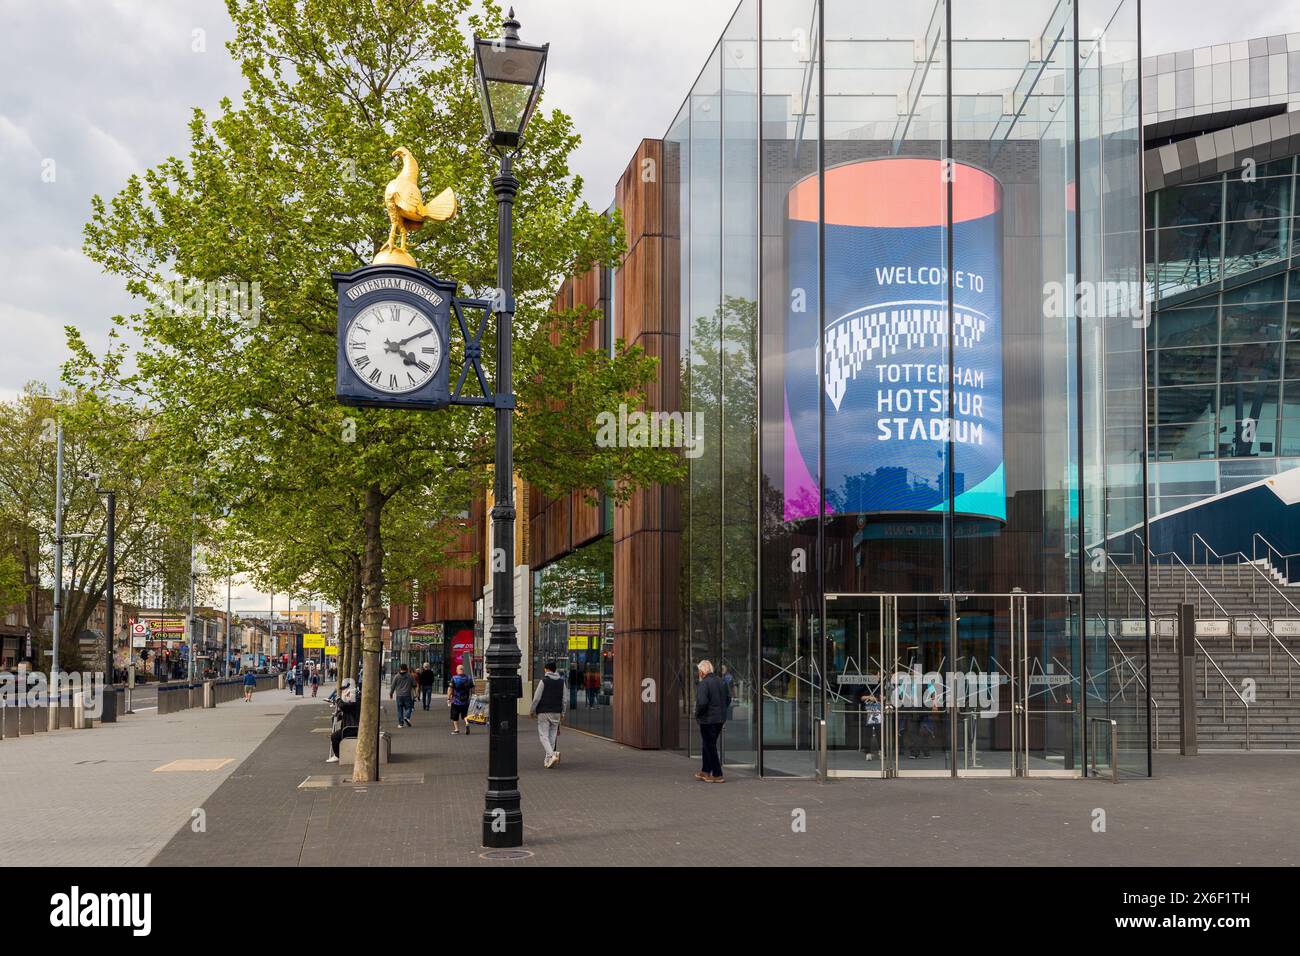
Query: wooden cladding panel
x=636 y=723
x=640 y=290
x=639 y=193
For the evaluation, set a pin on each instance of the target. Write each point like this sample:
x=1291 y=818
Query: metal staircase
x=1247 y=649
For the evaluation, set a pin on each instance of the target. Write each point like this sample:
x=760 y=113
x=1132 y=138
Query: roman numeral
x=374 y=375
x=397 y=313
x=362 y=361
x=392 y=380
x=422 y=366
x=411 y=378
x=429 y=350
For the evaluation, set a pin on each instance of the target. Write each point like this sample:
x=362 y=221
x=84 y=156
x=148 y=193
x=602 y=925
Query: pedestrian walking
x=250 y=684
x=458 y=692
x=288 y=679
x=426 y=685
x=711 y=703
x=403 y=688
x=347 y=717
x=549 y=707
x=315 y=680
x=575 y=685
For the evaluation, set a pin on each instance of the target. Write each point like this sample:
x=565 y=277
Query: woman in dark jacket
x=711 y=703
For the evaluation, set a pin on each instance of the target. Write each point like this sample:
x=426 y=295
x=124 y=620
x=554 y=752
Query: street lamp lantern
x=510 y=74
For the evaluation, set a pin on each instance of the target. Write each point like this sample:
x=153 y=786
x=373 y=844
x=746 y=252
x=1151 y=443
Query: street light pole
x=57 y=623
x=112 y=573
x=510 y=74
x=192 y=620
x=503 y=819
x=226 y=669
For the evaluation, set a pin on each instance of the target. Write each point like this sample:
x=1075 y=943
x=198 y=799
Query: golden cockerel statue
x=407 y=210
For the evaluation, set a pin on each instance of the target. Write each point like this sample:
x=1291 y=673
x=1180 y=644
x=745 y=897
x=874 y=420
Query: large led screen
x=887 y=371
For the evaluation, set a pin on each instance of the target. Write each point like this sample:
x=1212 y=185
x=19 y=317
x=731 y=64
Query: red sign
x=461 y=645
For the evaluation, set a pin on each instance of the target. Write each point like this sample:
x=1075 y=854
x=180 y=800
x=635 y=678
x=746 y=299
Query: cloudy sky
x=93 y=90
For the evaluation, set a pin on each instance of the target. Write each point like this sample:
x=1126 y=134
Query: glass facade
x=1223 y=358
x=912 y=335
x=573 y=625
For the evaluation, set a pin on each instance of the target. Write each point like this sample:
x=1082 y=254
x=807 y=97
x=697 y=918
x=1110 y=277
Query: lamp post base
x=503 y=826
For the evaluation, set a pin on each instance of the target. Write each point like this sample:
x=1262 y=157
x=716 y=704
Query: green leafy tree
x=282 y=188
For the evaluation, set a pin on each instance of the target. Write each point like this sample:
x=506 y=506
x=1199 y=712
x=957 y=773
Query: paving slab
x=609 y=805
x=93 y=798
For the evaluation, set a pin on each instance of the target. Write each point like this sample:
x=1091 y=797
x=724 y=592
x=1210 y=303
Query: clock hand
x=412 y=338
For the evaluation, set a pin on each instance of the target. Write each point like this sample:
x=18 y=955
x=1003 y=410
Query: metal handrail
x=1294 y=661
x=1189 y=574
x=1250 y=563
x=1209 y=662
x=1270 y=550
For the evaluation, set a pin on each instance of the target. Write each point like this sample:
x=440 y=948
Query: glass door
x=856 y=663
x=921 y=705
x=1050 y=645
x=983 y=684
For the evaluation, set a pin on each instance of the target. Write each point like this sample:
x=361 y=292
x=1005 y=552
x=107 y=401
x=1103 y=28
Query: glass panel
x=573 y=625
x=790 y=443
x=1248 y=245
x=1252 y=321
x=1189 y=257
x=1248 y=419
x=1187 y=366
x=1194 y=326
x=738 y=320
x=1243 y=363
x=982 y=681
x=855 y=671
x=1185 y=404
x=1051 y=668
x=678 y=724
x=1192 y=204
x=887 y=364
x=1014 y=453
x=924 y=730
x=703 y=544
x=1187 y=442
x=1115 y=487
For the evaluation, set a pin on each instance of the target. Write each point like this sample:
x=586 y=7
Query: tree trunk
x=355 y=623
x=366 y=767
x=344 y=638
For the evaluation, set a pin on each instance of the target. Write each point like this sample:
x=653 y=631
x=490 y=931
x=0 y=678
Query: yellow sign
x=313 y=640
x=331 y=651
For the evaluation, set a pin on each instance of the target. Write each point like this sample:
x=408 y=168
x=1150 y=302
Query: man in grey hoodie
x=549 y=705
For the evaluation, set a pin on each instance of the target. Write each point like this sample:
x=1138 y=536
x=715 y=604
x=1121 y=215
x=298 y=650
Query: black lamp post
x=509 y=75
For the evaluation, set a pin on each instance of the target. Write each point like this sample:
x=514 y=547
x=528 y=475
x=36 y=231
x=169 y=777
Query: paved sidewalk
x=612 y=805
x=93 y=798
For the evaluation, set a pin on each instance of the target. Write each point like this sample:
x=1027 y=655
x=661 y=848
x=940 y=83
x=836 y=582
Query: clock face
x=394 y=347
